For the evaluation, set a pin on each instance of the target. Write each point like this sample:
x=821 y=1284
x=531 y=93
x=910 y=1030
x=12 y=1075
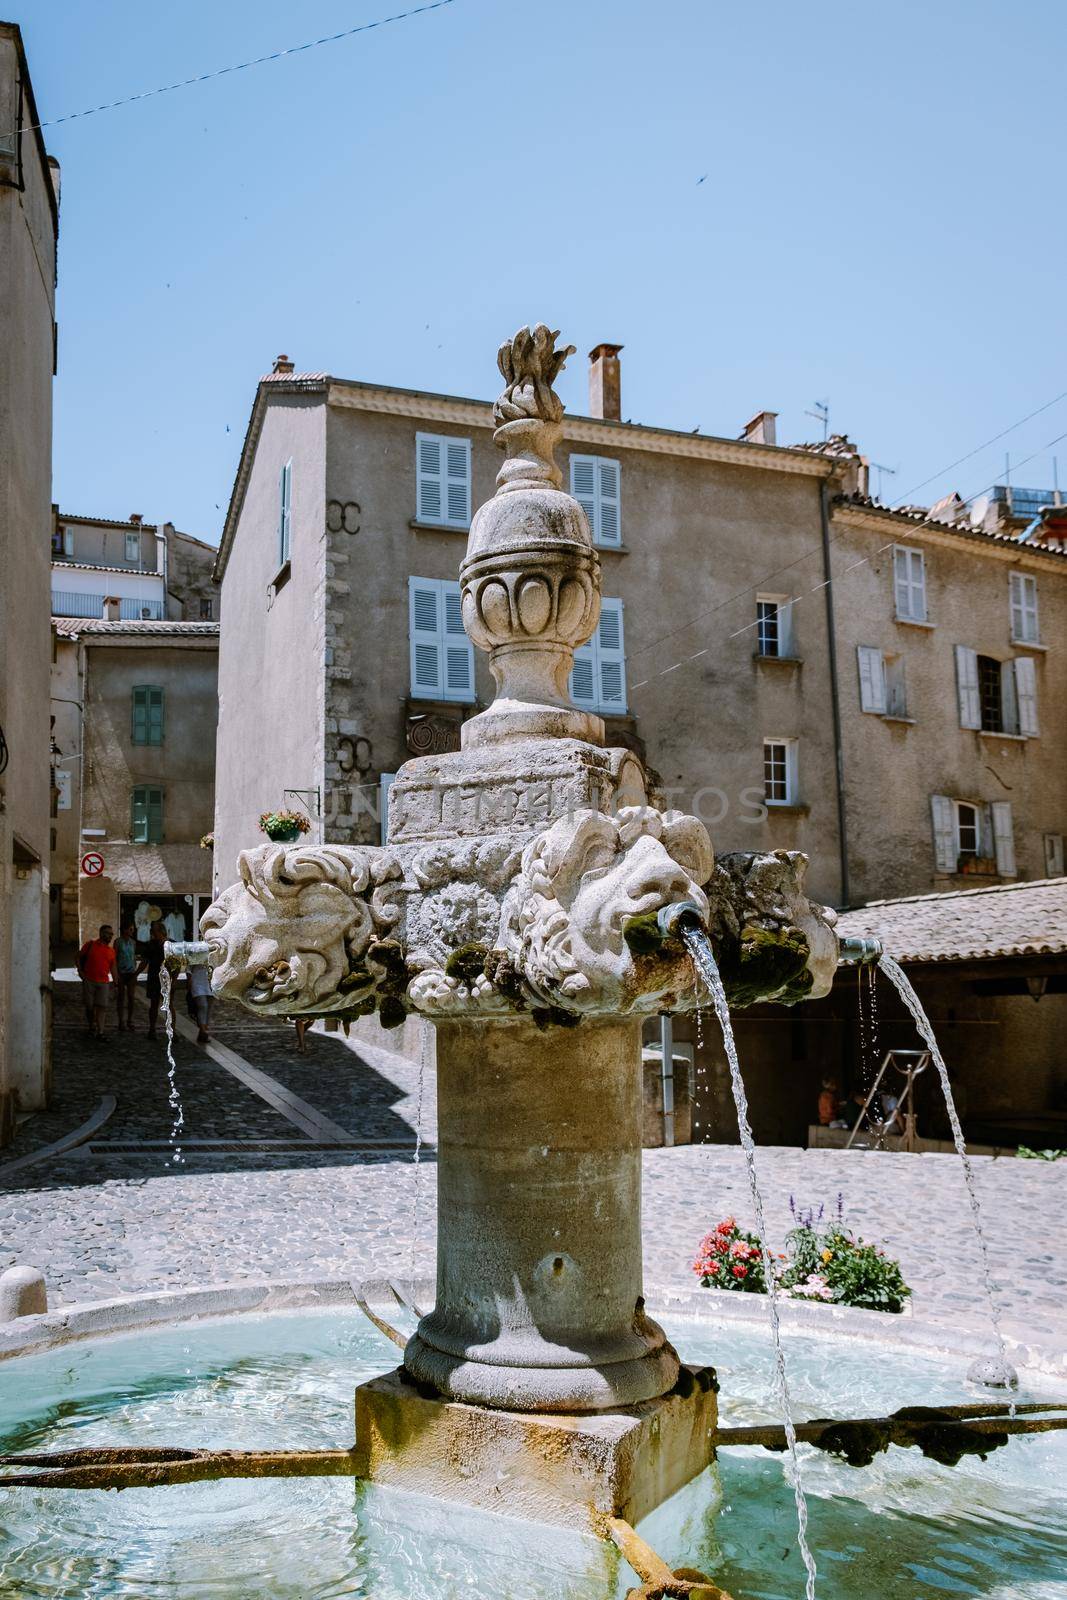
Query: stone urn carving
x=530 y=581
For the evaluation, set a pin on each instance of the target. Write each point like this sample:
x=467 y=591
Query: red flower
x=713 y=1268
x=727 y=1225
x=740 y=1272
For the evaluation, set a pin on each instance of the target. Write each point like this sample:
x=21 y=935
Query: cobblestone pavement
x=100 y=1223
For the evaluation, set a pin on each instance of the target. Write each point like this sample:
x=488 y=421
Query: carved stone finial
x=531 y=577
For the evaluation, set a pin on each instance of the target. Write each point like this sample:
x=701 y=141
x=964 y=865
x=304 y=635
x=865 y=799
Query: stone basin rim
x=155 y=1310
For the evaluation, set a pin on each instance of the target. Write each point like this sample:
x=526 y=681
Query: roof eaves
x=916 y=519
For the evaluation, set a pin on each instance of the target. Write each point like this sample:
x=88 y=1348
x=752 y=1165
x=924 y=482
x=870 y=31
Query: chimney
x=605 y=386
x=282 y=364
x=137 y=517
x=761 y=429
x=112 y=608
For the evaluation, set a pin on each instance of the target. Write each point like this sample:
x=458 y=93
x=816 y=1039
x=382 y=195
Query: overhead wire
x=240 y=66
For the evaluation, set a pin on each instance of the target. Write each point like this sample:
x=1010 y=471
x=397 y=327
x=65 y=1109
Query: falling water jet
x=165 y=984
x=685 y=919
x=998 y=1373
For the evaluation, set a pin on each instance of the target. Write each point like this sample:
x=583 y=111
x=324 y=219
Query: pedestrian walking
x=198 y=998
x=127 y=964
x=152 y=964
x=96 y=963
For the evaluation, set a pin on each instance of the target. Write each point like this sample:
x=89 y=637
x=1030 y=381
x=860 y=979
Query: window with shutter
x=1023 y=594
x=133 y=547
x=147 y=715
x=1025 y=681
x=909 y=577
x=442 y=658
x=285 y=501
x=1003 y=838
x=872 y=679
x=774 y=625
x=595 y=484
x=967 y=687
x=1053 y=855
x=146 y=815
x=442 y=480
x=598 y=678
x=943 y=812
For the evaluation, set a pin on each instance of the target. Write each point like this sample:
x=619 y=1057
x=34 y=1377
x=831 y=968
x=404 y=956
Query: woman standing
x=126 y=974
x=152 y=963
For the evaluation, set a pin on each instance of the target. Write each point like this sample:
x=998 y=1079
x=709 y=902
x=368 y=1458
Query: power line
x=240 y=66
x=979 y=448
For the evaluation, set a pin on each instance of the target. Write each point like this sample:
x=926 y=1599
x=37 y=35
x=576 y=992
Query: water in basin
x=904 y=1528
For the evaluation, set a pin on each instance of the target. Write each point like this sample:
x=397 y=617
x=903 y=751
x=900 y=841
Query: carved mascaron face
x=285 y=936
x=581 y=882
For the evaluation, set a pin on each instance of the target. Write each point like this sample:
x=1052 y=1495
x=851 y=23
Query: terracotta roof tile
x=1011 y=919
x=74 y=627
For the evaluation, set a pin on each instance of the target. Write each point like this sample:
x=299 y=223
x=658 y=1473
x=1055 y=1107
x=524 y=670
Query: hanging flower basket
x=284 y=826
x=208 y=842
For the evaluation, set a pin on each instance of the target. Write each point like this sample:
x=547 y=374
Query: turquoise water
x=903 y=1529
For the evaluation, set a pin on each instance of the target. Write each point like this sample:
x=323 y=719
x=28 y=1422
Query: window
x=909 y=579
x=147 y=715
x=133 y=547
x=146 y=816
x=1053 y=855
x=1023 y=592
x=598 y=679
x=774 y=626
x=780 y=772
x=970 y=836
x=595 y=486
x=207 y=610
x=882 y=689
x=443 y=480
x=63 y=542
x=442 y=658
x=996 y=696
x=285 y=512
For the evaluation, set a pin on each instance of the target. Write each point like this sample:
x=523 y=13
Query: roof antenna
x=821 y=413
x=878 y=467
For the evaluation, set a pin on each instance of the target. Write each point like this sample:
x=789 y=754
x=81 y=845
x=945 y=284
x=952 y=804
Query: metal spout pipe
x=182 y=953
x=859 y=952
x=673 y=918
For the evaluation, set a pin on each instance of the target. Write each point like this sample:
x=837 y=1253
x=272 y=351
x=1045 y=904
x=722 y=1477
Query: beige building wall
x=192 y=594
x=272 y=652
x=28 y=230
x=67 y=701
x=183 y=766
x=101 y=542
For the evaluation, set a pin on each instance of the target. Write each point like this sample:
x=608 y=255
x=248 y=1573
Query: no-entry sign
x=92 y=863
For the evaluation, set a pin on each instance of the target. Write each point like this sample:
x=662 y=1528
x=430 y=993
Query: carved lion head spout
x=581 y=882
x=300 y=920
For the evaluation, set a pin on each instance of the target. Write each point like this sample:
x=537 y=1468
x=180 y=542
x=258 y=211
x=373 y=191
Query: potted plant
x=208 y=842
x=284 y=826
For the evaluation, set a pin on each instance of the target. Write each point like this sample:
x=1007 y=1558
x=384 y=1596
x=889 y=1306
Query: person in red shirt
x=97 y=965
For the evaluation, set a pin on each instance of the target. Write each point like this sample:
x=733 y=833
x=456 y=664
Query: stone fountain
x=526 y=905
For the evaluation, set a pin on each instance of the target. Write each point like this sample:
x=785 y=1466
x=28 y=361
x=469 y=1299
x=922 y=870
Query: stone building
x=29 y=222
x=900 y=724
x=134 y=707
x=152 y=571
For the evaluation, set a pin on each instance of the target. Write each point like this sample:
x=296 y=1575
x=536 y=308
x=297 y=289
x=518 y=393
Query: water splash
x=425 y=1047
x=177 y=1110
x=699 y=947
x=900 y=982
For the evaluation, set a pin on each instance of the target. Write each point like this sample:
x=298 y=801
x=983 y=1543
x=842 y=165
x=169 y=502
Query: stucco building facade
x=29 y=221
x=134 y=759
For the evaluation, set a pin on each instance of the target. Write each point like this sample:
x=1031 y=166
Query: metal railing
x=67 y=604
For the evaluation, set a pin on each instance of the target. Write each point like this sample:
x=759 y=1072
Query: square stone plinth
x=565 y=1470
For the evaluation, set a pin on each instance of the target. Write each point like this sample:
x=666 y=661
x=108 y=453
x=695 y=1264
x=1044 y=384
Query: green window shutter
x=139 y=816
x=146 y=815
x=139 y=717
x=155 y=716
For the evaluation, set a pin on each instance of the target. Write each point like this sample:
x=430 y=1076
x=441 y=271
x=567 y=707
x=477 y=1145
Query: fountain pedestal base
x=567 y=1471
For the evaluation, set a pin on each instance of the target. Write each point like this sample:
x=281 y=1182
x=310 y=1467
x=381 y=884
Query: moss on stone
x=467 y=963
x=765 y=962
x=504 y=977
x=547 y=1016
x=391 y=1011
x=643 y=934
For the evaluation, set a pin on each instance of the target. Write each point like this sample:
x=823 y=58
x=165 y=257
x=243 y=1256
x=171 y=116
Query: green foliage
x=284 y=825
x=829 y=1264
x=1024 y=1151
x=729 y=1258
x=765 y=961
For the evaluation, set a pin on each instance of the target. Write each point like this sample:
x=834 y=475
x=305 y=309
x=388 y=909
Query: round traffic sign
x=92 y=864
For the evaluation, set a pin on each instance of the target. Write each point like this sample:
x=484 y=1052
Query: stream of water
x=900 y=982
x=699 y=947
x=166 y=983
x=425 y=1048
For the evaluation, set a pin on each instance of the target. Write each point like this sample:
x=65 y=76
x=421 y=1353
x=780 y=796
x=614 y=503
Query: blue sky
x=881 y=220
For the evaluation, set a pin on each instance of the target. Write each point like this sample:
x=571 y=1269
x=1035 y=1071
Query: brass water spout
x=682 y=914
x=180 y=954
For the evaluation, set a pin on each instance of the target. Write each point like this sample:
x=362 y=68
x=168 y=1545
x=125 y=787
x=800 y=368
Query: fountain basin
x=904 y=1526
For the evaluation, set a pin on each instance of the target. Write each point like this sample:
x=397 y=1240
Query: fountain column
x=539 y=1222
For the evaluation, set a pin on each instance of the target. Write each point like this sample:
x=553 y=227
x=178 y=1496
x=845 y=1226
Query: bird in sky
x=701 y=180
